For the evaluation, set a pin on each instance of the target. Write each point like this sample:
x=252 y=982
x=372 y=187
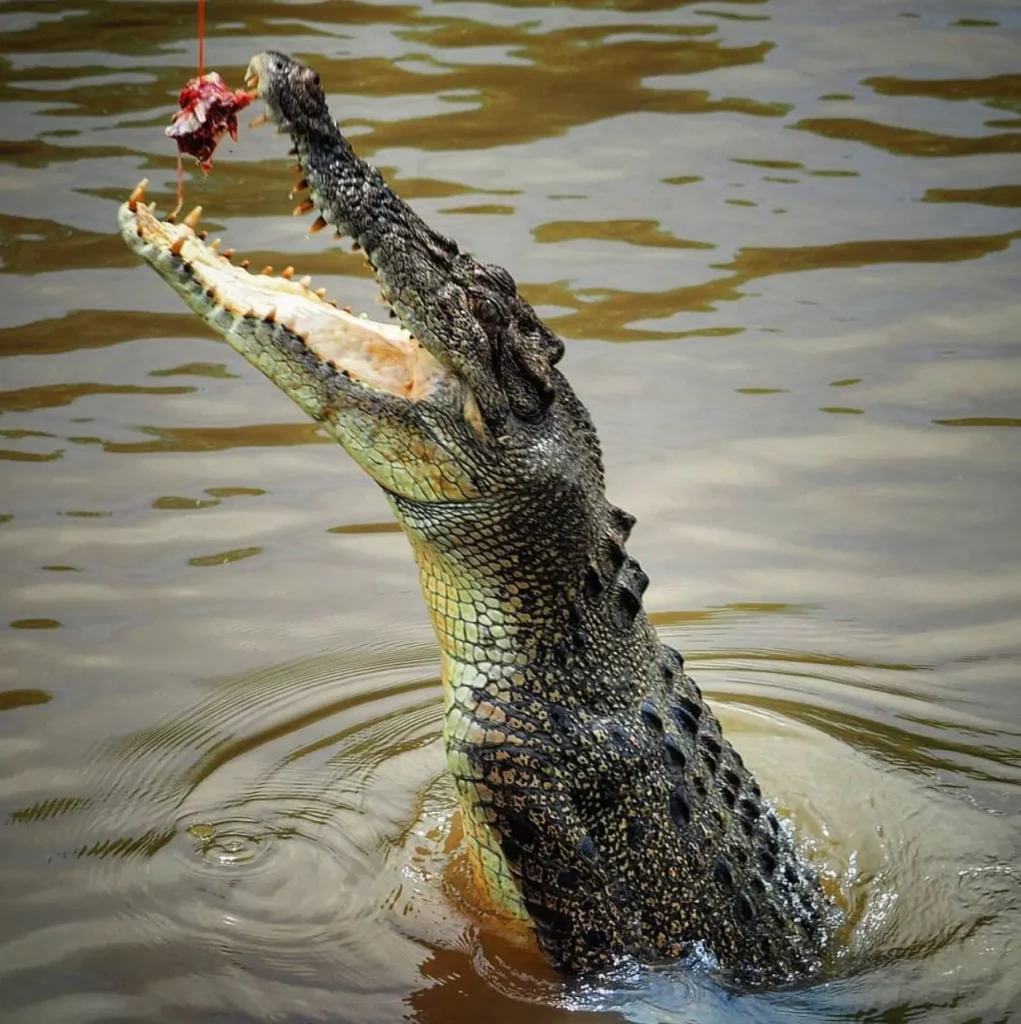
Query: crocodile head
x=460 y=402
x=601 y=804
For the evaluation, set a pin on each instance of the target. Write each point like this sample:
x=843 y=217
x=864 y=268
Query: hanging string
x=202 y=62
x=202 y=35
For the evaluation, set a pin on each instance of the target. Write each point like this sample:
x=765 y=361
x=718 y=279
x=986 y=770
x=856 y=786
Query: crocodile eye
x=488 y=312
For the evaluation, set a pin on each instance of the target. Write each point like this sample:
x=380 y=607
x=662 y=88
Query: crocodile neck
x=538 y=635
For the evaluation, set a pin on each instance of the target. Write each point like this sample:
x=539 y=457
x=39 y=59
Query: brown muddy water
x=781 y=241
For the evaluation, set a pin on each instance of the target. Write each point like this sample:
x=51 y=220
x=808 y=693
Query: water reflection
x=910 y=141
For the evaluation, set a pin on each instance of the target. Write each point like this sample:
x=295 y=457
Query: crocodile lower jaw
x=378 y=356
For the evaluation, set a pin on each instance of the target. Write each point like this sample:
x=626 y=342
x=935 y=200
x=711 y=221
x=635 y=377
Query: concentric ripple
x=274 y=821
x=293 y=833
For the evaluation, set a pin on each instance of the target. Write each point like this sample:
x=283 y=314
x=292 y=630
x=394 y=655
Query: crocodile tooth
x=267 y=270
x=303 y=207
x=177 y=245
x=245 y=264
x=227 y=254
x=321 y=292
x=287 y=272
x=270 y=317
x=137 y=193
x=216 y=243
x=203 y=235
x=355 y=247
x=318 y=226
x=192 y=219
x=305 y=281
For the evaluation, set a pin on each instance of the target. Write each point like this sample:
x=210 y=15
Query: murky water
x=780 y=239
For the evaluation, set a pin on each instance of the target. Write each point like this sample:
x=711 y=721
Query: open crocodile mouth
x=382 y=357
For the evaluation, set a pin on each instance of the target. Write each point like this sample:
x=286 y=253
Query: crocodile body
x=602 y=805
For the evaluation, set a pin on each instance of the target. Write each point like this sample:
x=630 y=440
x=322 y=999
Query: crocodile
x=603 y=809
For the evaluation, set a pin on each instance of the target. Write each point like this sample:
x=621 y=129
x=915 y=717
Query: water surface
x=781 y=242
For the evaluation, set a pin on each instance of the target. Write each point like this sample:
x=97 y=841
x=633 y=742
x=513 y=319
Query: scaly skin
x=602 y=805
